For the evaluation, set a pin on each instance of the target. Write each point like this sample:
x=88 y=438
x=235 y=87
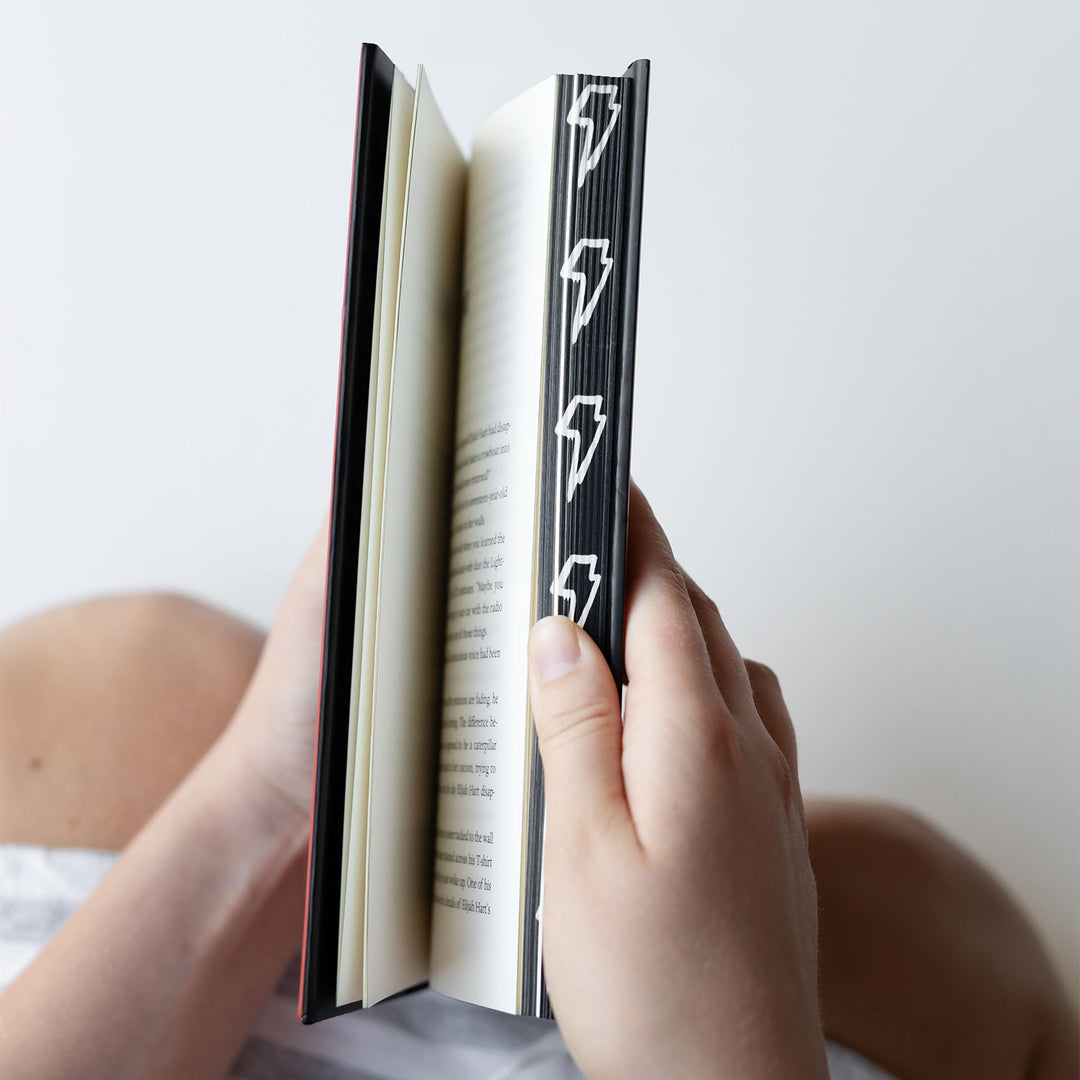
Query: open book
x=480 y=482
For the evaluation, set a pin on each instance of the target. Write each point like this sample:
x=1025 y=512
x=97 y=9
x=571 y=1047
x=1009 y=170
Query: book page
x=354 y=841
x=393 y=737
x=476 y=915
x=408 y=639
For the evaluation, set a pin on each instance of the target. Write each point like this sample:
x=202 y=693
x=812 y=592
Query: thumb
x=575 y=706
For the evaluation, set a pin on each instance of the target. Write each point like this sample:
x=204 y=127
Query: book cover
x=480 y=482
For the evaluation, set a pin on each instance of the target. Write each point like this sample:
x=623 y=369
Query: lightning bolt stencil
x=583 y=311
x=590 y=153
x=579 y=465
x=561 y=592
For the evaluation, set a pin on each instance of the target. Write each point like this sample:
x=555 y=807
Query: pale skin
x=675 y=844
x=164 y=968
x=680 y=911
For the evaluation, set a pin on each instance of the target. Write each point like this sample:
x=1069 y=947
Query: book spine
x=585 y=414
x=318 y=988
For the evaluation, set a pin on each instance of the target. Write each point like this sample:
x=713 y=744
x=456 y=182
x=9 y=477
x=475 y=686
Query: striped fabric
x=421 y=1036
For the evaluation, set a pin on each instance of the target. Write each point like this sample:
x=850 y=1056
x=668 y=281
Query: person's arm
x=163 y=969
x=680 y=914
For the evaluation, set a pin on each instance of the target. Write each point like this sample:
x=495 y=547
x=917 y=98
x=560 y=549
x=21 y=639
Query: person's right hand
x=680 y=913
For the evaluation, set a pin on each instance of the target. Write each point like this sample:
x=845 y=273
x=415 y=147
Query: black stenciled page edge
x=588 y=398
x=318 y=986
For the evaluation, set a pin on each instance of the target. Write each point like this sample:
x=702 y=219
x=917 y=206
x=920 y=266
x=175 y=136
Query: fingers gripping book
x=481 y=473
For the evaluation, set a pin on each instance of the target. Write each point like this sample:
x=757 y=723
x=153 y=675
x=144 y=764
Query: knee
x=166 y=634
x=89 y=688
x=894 y=888
x=863 y=838
x=199 y=654
x=113 y=652
x=146 y=620
x=878 y=854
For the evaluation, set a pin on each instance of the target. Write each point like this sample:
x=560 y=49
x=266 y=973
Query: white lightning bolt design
x=561 y=592
x=590 y=154
x=583 y=311
x=579 y=466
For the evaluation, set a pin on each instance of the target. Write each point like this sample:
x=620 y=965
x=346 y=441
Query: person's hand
x=680 y=913
x=272 y=736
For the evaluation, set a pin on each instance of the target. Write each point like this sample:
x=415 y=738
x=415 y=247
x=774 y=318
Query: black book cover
x=318 y=992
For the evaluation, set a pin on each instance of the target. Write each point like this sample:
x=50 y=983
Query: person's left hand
x=272 y=736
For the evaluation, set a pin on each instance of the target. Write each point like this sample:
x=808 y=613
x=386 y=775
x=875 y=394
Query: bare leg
x=928 y=967
x=105 y=706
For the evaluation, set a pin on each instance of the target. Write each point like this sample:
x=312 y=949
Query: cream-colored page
x=354 y=846
x=407 y=683
x=485 y=720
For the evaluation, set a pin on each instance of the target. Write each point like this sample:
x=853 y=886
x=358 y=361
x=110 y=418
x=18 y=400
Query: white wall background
x=858 y=391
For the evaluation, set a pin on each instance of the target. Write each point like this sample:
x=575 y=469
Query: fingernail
x=553 y=648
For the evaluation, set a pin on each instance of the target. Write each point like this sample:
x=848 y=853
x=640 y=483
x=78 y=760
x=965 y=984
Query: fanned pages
x=485 y=722
x=480 y=482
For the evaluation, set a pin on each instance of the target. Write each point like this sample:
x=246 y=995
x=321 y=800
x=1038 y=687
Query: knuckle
x=761 y=675
x=675 y=631
x=719 y=741
x=669 y=577
x=701 y=598
x=709 y=603
x=782 y=775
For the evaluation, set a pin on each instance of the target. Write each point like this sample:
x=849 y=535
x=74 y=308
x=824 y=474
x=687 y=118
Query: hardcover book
x=480 y=483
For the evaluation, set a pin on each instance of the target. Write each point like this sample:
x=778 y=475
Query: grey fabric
x=33 y=920
x=263 y=1060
